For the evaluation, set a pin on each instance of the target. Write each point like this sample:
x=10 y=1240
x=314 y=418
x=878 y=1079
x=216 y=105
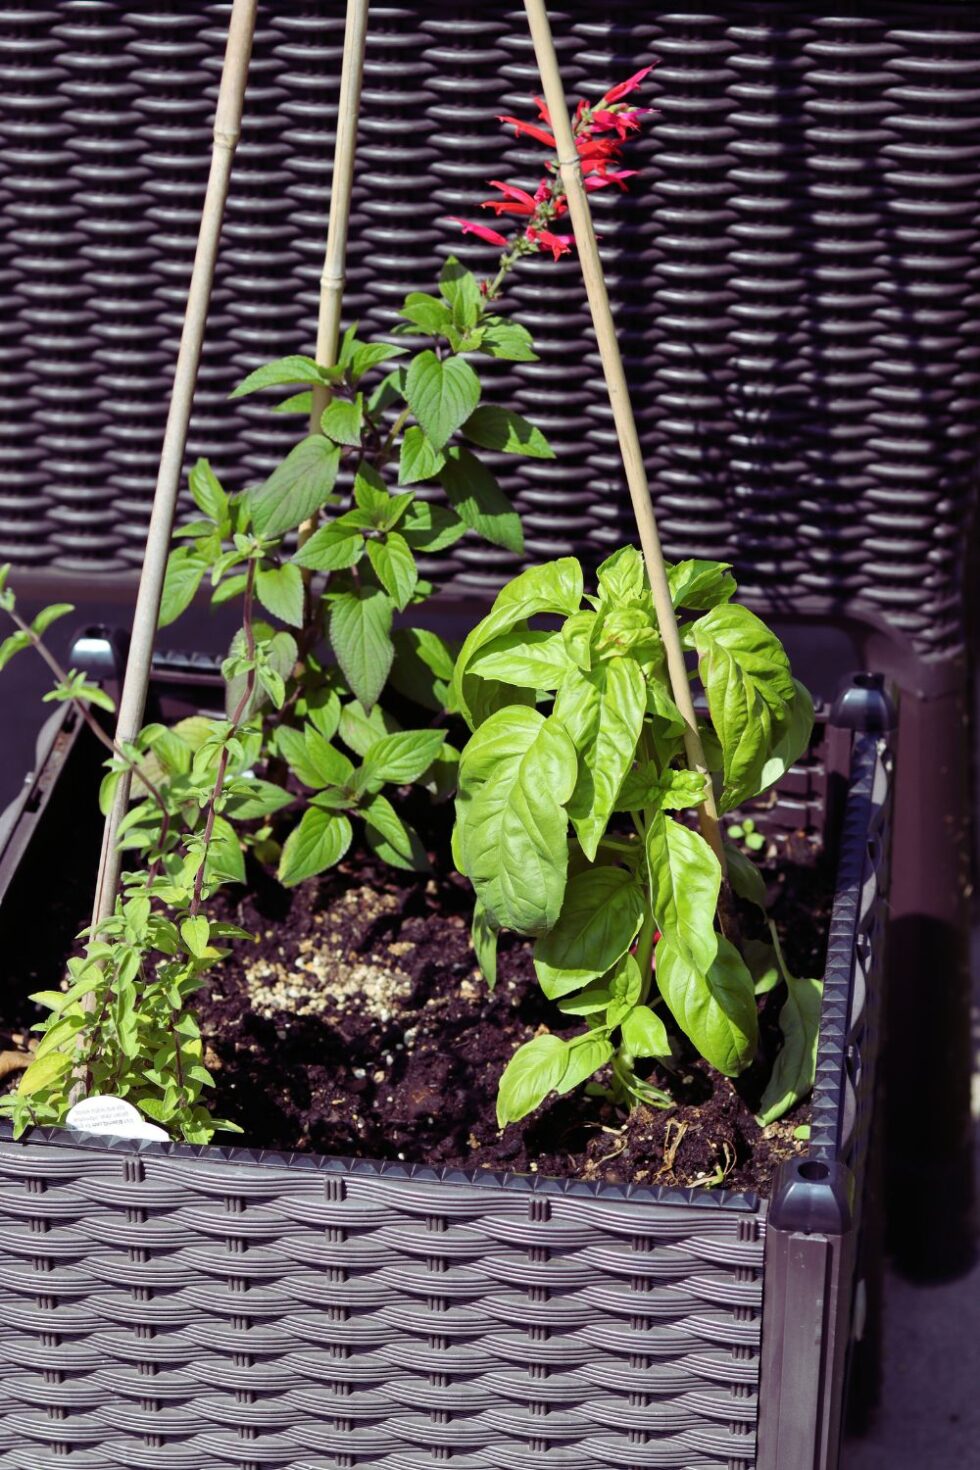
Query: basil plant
x=575 y=823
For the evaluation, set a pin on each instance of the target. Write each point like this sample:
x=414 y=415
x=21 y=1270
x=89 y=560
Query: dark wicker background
x=797 y=272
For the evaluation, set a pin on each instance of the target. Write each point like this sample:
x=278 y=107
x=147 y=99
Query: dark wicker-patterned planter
x=195 y=1308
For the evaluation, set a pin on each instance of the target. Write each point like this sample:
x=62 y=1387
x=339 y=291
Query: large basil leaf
x=796 y=1064
x=515 y=776
x=793 y=737
x=586 y=1054
x=599 y=920
x=531 y=660
x=750 y=690
x=685 y=877
x=700 y=584
x=535 y=1069
x=717 y=1009
x=603 y=713
x=555 y=587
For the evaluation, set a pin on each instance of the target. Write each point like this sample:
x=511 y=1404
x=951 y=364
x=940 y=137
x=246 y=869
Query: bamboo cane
x=227 y=128
x=341 y=187
x=612 y=367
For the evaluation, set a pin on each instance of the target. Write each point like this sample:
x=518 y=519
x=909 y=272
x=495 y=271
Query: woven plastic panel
x=191 y=1312
x=795 y=275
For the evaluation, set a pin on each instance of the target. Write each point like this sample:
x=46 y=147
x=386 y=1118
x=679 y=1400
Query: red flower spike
x=481 y=231
x=624 y=88
x=531 y=130
x=545 y=240
x=613 y=176
x=515 y=201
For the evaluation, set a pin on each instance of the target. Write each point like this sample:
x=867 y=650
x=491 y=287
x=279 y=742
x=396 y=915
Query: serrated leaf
x=462 y=290
x=402 y=757
x=479 y=501
x=332 y=548
x=535 y=1069
x=280 y=591
x=225 y=861
x=297 y=488
x=391 y=837
x=600 y=917
x=394 y=566
x=417 y=459
x=360 y=636
x=260 y=800
x=441 y=395
x=423 y=668
x=342 y=420
x=508 y=340
x=207 y=493
x=185 y=569
x=431 y=528
x=294 y=369
x=312 y=758
x=515 y=776
x=428 y=313
x=195 y=932
x=507 y=432
x=297 y=403
x=360 y=728
x=318 y=843
x=716 y=1010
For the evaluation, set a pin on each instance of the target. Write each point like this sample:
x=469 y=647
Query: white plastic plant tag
x=113 y=1115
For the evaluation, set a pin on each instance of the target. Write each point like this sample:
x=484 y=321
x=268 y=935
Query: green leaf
x=507 y=432
x=402 y=757
x=225 y=861
x=555 y=587
x=43 y=1073
x=479 y=500
x=261 y=799
x=342 y=420
x=603 y=713
x=685 y=878
x=600 y=917
x=280 y=591
x=763 y=965
x=616 y=994
x=280 y=657
x=361 y=729
x=296 y=403
x=716 y=1010
x=700 y=584
x=531 y=660
x=49 y=615
x=312 y=758
x=441 y=395
x=423 y=668
x=335 y=546
x=428 y=313
x=622 y=579
x=417 y=460
x=793 y=733
x=393 y=839
x=195 y=932
x=751 y=693
x=360 y=636
x=644 y=1033
x=208 y=495
x=368 y=355
x=515 y=776
x=507 y=340
x=283 y=370
x=299 y=486
x=586 y=1054
x=462 y=290
x=394 y=566
x=796 y=1063
x=745 y=877
x=484 y=939
x=318 y=843
x=15 y=643
x=535 y=1069
x=431 y=527
x=185 y=568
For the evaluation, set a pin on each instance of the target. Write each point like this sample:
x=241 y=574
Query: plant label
x=113 y=1115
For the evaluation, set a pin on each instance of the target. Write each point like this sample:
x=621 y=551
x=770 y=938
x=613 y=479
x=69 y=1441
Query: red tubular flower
x=545 y=240
x=531 y=130
x=627 y=121
x=481 y=231
x=624 y=88
x=515 y=201
x=611 y=176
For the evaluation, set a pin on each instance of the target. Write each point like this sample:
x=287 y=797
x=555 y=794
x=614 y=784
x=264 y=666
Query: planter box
x=195 y=1308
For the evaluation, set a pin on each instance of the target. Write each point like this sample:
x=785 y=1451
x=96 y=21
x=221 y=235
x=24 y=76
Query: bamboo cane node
x=227 y=137
x=329 y=282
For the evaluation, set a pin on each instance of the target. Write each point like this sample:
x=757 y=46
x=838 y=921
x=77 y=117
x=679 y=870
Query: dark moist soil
x=359 y=1024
